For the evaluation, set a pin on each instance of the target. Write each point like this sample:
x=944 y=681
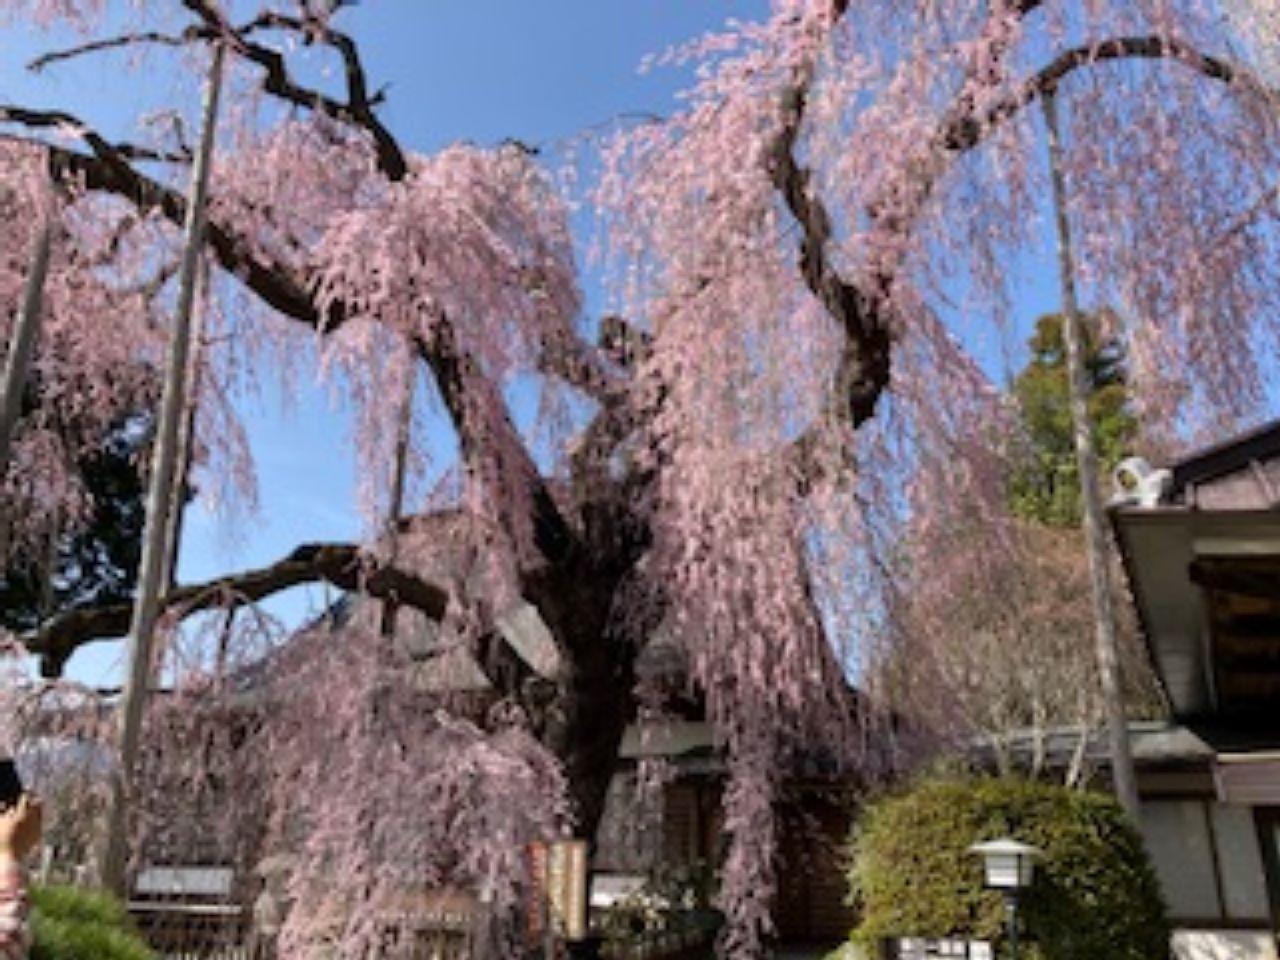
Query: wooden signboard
x=567 y=887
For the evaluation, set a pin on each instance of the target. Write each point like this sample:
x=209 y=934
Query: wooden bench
x=190 y=912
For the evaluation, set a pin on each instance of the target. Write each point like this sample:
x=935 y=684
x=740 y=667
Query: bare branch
x=344 y=565
x=313 y=28
x=358 y=110
x=110 y=43
x=68 y=123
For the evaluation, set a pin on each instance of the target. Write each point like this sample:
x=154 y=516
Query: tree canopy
x=783 y=382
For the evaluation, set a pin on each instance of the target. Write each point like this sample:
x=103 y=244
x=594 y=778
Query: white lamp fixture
x=1010 y=868
x=1009 y=865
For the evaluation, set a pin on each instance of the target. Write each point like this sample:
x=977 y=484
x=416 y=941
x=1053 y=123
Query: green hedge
x=1095 y=894
x=68 y=923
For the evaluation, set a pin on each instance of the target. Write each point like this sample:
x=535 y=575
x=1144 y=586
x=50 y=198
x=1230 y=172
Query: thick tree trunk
x=597 y=704
x=598 y=708
x=594 y=699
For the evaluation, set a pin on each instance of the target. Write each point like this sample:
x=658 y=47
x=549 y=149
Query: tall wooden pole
x=25 y=331
x=160 y=493
x=191 y=392
x=399 y=467
x=1125 y=785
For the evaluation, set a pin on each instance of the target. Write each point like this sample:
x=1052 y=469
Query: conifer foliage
x=1045 y=486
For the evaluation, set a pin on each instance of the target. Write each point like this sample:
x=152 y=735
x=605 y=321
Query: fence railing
x=191 y=913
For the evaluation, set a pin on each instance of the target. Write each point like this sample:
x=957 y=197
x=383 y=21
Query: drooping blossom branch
x=786 y=248
x=330 y=311
x=109 y=170
x=966 y=128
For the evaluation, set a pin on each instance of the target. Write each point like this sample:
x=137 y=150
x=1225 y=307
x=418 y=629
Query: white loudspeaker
x=1137 y=483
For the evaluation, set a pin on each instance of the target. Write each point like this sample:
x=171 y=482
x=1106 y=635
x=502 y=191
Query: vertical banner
x=567 y=887
x=535 y=908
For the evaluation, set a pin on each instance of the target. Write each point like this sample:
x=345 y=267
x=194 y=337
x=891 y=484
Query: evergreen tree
x=97 y=562
x=1045 y=485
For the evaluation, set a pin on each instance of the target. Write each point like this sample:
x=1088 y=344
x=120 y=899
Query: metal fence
x=189 y=933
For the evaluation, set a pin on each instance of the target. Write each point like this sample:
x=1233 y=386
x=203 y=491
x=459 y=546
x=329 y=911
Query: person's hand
x=20 y=827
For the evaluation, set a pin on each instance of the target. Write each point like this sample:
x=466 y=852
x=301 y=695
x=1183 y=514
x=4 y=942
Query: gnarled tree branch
x=491 y=446
x=480 y=421
x=861 y=306
x=566 y=357
x=277 y=80
x=107 y=169
x=861 y=309
x=148 y=37
x=964 y=129
x=344 y=565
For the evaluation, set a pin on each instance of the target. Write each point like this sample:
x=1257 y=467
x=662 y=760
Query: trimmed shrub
x=68 y=923
x=1095 y=894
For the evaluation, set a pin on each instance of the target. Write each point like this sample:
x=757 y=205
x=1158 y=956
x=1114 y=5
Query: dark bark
x=598 y=703
x=357 y=110
x=491 y=445
x=861 y=309
x=964 y=128
x=579 y=598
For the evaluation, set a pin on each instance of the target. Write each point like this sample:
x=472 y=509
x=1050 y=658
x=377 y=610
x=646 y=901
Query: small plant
x=69 y=923
x=1095 y=894
x=668 y=913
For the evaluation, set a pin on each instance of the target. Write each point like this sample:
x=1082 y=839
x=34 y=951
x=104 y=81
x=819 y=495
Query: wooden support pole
x=191 y=392
x=1107 y=648
x=399 y=468
x=160 y=494
x=25 y=332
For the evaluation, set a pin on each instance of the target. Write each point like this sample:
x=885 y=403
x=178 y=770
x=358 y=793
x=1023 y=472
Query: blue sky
x=478 y=70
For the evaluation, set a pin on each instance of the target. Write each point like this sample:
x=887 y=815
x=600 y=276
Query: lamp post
x=1009 y=866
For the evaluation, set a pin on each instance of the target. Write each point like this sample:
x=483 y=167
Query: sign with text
x=567 y=887
x=920 y=948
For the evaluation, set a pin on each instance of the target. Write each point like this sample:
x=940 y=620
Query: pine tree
x=96 y=561
x=1045 y=485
